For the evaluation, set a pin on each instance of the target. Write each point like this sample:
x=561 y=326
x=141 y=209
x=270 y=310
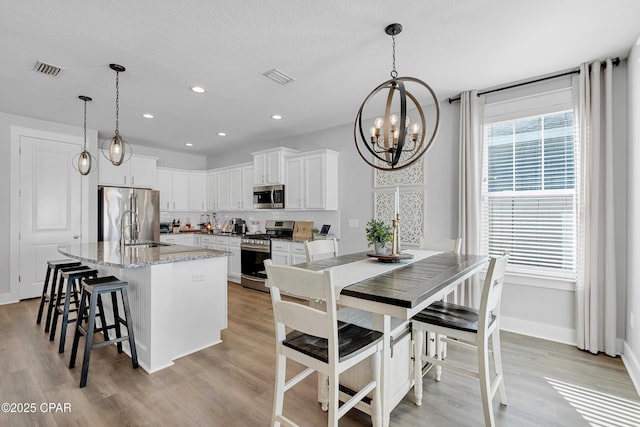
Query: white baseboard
x=538 y=330
x=632 y=363
x=8 y=298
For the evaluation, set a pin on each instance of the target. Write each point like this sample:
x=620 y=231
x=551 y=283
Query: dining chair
x=469 y=327
x=319 y=341
x=446 y=245
x=442 y=244
x=321 y=249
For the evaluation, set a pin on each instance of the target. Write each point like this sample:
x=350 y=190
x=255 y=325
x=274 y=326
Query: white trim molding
x=632 y=363
x=538 y=330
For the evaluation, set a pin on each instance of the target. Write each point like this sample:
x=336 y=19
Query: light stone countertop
x=110 y=254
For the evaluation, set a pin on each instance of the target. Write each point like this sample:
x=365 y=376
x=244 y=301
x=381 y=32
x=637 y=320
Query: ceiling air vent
x=278 y=76
x=48 y=69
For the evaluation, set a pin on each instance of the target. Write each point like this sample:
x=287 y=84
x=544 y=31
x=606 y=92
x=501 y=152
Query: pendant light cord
x=117 y=101
x=84 y=146
x=394 y=73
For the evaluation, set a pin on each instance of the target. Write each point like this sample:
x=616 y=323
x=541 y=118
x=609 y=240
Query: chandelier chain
x=117 y=100
x=394 y=73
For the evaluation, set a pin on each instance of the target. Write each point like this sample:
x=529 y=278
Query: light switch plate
x=353 y=223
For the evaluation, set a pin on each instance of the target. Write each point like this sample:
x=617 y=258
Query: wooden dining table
x=396 y=293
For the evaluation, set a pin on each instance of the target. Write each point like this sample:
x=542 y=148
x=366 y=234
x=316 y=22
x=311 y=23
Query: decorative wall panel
x=411 y=214
x=411 y=175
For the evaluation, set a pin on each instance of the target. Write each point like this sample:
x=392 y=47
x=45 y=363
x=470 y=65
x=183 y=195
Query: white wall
x=631 y=354
x=171 y=159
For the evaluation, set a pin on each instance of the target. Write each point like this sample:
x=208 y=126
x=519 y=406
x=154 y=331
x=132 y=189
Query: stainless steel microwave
x=268 y=197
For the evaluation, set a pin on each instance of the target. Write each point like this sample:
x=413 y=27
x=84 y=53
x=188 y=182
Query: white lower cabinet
x=230 y=244
x=287 y=253
x=186 y=239
x=222 y=243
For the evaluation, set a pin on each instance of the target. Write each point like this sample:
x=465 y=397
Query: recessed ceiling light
x=147 y=116
x=197 y=89
x=276 y=117
x=188 y=144
x=222 y=134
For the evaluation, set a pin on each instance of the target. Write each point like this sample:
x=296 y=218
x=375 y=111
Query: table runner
x=348 y=274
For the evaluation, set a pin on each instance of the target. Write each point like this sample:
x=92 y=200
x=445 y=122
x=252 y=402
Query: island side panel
x=188 y=308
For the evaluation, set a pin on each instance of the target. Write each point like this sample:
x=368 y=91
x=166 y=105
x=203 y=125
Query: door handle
x=76 y=236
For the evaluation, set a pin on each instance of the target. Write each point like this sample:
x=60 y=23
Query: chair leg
x=323 y=389
x=278 y=396
x=417 y=364
x=52 y=299
x=497 y=360
x=76 y=336
x=89 y=342
x=438 y=356
x=129 y=320
x=485 y=382
x=334 y=403
x=116 y=319
x=43 y=298
x=65 y=314
x=376 y=412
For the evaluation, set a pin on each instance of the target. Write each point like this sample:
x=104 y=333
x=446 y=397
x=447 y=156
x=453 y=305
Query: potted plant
x=378 y=234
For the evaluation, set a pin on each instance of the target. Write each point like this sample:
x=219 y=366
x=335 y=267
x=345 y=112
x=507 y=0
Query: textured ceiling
x=336 y=50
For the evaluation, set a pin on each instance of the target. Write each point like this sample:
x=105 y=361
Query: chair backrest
x=297 y=314
x=442 y=244
x=321 y=249
x=492 y=291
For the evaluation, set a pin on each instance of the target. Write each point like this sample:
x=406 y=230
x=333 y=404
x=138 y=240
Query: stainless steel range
x=255 y=248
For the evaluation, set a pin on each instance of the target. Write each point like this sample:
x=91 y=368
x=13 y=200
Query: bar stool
x=52 y=267
x=72 y=278
x=92 y=289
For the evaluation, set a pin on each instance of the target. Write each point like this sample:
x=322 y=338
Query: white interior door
x=50 y=207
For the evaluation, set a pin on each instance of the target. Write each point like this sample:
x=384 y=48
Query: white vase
x=380 y=248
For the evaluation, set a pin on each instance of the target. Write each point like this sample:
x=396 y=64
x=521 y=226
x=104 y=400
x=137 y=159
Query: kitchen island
x=178 y=295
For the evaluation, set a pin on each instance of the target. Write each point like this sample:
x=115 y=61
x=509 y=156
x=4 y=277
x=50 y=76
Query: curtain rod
x=614 y=61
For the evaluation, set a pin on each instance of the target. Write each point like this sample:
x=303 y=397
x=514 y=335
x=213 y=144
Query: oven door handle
x=260 y=249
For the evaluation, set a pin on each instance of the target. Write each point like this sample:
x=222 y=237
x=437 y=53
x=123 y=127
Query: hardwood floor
x=231 y=384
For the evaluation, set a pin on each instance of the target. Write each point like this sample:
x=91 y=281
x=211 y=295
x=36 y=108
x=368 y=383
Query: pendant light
x=119 y=150
x=83 y=161
x=395 y=141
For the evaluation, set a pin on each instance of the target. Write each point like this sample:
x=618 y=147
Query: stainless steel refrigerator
x=120 y=206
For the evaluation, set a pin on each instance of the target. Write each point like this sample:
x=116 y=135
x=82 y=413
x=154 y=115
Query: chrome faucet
x=131 y=224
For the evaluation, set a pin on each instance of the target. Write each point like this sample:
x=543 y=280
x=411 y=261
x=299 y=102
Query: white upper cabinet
x=269 y=165
x=180 y=191
x=312 y=181
x=212 y=190
x=138 y=171
x=235 y=188
x=294 y=188
x=247 y=186
x=197 y=191
x=223 y=189
x=164 y=183
x=175 y=190
x=230 y=188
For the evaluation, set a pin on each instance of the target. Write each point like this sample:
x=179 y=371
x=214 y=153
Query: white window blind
x=529 y=193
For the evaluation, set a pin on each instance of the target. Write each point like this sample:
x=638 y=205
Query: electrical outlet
x=197 y=277
x=353 y=223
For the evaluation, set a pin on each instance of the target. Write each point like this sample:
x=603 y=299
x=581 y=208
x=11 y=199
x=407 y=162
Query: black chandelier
x=394 y=141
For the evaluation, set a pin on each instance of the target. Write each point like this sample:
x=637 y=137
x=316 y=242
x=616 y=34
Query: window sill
x=538 y=281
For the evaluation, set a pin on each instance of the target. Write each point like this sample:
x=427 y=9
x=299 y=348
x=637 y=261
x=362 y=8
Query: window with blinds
x=529 y=192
